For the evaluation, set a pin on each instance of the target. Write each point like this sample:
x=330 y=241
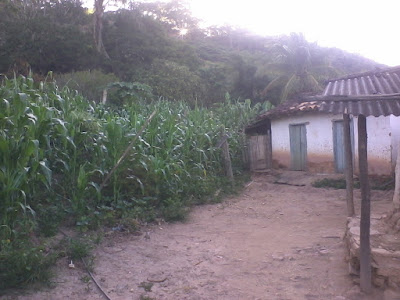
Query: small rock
x=279 y=258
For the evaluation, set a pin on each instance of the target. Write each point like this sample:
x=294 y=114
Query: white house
x=308 y=134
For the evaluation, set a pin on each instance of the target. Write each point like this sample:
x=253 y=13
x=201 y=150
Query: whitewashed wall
x=395 y=126
x=320 y=157
x=379 y=145
x=319 y=140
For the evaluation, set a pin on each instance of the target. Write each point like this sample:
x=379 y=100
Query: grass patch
x=376 y=183
x=23 y=263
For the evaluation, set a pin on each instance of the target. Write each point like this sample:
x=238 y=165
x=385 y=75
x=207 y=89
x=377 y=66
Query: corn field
x=56 y=148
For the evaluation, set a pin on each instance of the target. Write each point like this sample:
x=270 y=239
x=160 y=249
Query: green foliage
x=57 y=147
x=46 y=36
x=333 y=183
x=175 y=81
x=130 y=92
x=22 y=263
x=144 y=44
x=383 y=183
x=173 y=210
x=77 y=249
x=88 y=83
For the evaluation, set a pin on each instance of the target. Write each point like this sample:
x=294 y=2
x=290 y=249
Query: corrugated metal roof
x=378 y=82
x=375 y=93
x=382 y=105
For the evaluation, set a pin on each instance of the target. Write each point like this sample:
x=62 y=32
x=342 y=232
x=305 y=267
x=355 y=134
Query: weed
x=85 y=279
x=376 y=183
x=146 y=286
x=22 y=263
x=78 y=248
x=146 y=297
x=174 y=210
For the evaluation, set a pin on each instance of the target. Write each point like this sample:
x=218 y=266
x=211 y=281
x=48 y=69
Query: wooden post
x=396 y=195
x=104 y=98
x=226 y=156
x=269 y=150
x=365 y=250
x=349 y=165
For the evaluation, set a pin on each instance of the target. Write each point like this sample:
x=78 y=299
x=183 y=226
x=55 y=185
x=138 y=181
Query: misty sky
x=369 y=28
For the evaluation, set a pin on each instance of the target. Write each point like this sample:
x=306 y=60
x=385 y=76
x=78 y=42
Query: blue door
x=338 y=145
x=298 y=147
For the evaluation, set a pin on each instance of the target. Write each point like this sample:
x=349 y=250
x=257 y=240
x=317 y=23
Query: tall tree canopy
x=162 y=45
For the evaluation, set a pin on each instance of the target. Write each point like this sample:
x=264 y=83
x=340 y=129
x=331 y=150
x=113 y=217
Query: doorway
x=298 y=147
x=338 y=145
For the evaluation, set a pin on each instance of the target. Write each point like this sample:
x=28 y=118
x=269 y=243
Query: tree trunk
x=98 y=27
x=365 y=250
x=349 y=165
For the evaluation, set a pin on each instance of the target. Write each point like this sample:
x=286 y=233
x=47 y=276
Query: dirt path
x=271 y=242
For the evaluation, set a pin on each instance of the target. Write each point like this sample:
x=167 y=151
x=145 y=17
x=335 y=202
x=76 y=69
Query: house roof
x=375 y=93
x=369 y=105
x=377 y=82
x=289 y=108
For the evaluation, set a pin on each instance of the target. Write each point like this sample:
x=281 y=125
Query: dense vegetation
x=57 y=148
x=58 y=141
x=163 y=46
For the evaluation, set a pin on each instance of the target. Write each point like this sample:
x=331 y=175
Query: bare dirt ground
x=273 y=241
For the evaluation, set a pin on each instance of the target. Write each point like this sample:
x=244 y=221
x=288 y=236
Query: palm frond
x=278 y=81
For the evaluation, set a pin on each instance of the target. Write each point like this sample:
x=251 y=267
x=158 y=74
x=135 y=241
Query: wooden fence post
x=226 y=156
x=349 y=165
x=365 y=250
x=396 y=195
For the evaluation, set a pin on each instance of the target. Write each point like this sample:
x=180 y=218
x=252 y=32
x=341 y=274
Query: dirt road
x=273 y=241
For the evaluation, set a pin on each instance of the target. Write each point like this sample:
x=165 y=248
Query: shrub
x=90 y=83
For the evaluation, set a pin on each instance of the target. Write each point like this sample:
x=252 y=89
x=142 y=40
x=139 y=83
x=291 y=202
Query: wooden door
x=338 y=145
x=298 y=147
x=260 y=152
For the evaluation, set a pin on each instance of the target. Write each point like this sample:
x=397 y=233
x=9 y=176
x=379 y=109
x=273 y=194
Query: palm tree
x=294 y=73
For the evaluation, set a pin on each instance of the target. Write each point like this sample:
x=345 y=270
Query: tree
x=175 y=15
x=99 y=8
x=292 y=65
x=45 y=36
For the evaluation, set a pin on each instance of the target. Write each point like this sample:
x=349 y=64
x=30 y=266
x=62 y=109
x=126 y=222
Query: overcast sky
x=366 y=27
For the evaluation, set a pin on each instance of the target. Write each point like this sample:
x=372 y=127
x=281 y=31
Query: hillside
x=161 y=46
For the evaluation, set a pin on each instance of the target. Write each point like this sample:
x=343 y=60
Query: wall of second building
x=319 y=141
x=320 y=156
x=395 y=126
x=379 y=147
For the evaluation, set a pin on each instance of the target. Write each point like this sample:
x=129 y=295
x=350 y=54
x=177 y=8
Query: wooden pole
x=349 y=165
x=365 y=251
x=396 y=195
x=226 y=156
